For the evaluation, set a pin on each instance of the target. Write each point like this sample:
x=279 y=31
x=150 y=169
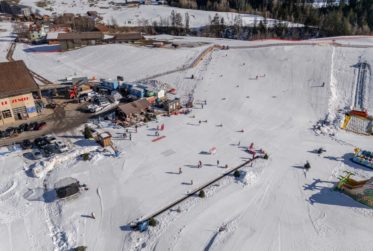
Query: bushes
x=87 y=132
x=152 y=222
x=201 y=194
x=236 y=174
x=85 y=156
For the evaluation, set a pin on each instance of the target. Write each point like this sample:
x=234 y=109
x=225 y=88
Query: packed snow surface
x=107 y=61
x=268 y=96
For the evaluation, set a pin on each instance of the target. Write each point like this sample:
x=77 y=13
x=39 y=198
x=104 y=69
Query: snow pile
x=250 y=178
x=43 y=167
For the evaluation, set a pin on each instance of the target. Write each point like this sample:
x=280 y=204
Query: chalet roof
x=134 y=107
x=15 y=79
x=80 y=35
x=128 y=36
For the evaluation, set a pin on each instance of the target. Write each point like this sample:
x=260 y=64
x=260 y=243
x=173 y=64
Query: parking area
x=44 y=146
x=61 y=118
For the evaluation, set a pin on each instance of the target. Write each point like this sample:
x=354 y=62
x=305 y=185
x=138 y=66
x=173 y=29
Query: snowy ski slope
x=276 y=206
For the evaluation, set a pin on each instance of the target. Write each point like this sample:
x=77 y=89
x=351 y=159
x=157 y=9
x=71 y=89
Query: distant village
x=69 y=31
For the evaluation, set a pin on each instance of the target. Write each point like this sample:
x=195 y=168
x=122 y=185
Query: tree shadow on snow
x=326 y=195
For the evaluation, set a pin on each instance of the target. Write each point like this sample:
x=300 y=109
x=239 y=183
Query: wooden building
x=73 y=40
x=172 y=105
x=129 y=110
x=127 y=37
x=104 y=139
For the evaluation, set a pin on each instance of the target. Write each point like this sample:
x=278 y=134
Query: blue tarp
x=44 y=48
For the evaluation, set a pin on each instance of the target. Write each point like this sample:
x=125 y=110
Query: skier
x=226 y=166
x=205 y=102
x=307 y=166
x=199 y=164
x=180 y=171
x=156 y=133
x=239 y=143
x=217 y=163
x=130 y=137
x=251 y=145
x=199 y=122
x=202 y=106
x=323 y=84
x=136 y=128
x=124 y=135
x=191 y=182
x=320 y=151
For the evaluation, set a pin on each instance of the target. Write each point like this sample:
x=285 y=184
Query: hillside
x=270 y=94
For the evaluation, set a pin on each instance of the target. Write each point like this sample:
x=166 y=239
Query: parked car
x=101 y=101
x=40 y=142
x=48 y=151
x=36 y=154
x=40 y=126
x=51 y=139
x=22 y=127
x=94 y=108
x=61 y=146
x=27 y=128
x=51 y=105
x=32 y=125
x=4 y=134
x=11 y=131
x=86 y=96
x=26 y=144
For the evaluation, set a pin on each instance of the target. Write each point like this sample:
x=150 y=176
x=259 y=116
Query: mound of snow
x=43 y=167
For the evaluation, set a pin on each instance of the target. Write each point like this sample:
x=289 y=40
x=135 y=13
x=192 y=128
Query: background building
x=16 y=92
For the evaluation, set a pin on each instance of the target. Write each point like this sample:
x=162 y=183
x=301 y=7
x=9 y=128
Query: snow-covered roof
x=52 y=35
